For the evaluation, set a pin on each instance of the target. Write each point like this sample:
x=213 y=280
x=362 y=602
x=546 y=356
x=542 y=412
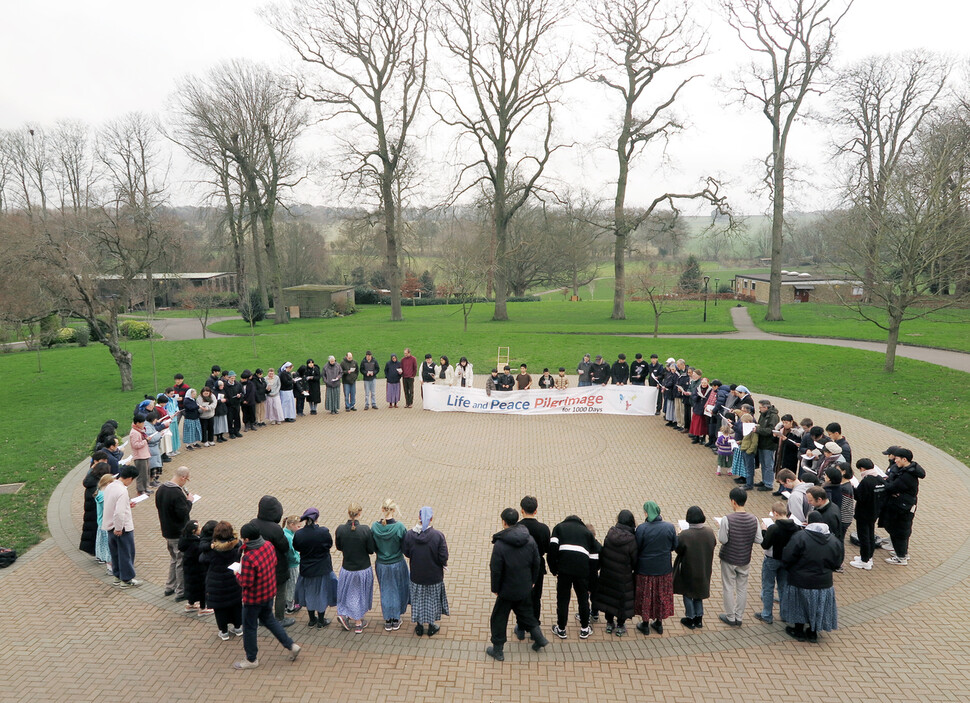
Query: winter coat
x=312 y=379
x=350 y=370
x=444 y=375
x=655 y=542
x=869 y=498
x=392 y=371
x=465 y=373
x=234 y=393
x=515 y=563
x=370 y=369
x=902 y=488
x=582 y=548
x=699 y=399
x=777 y=537
x=616 y=587
x=89 y=524
x=173 y=507
x=138 y=440
x=767 y=420
x=638 y=372
x=191 y=409
x=332 y=373
x=541 y=534
x=356 y=544
x=620 y=372
x=194 y=571
x=695 y=562
x=811 y=557
x=207 y=408
x=599 y=373
x=222 y=590
x=286 y=380
x=313 y=542
x=749 y=443
x=582 y=369
x=267 y=521
x=154 y=446
x=428 y=553
x=260 y=384
x=831 y=516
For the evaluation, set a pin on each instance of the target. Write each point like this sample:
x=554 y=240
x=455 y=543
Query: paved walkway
x=70 y=635
x=182 y=328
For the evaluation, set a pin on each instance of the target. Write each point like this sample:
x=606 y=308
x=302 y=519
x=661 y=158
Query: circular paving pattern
x=469 y=467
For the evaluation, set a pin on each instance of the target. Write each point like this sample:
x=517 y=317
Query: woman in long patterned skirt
x=355 y=586
x=428 y=551
x=656 y=541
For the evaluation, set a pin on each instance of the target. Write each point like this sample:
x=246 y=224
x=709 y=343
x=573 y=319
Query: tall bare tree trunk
x=258 y=256
x=501 y=222
x=276 y=275
x=777 y=231
x=392 y=267
x=620 y=228
x=895 y=321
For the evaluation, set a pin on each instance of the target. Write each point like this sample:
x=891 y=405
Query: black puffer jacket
x=515 y=563
x=902 y=488
x=192 y=568
x=89 y=526
x=811 y=557
x=222 y=590
x=267 y=521
x=616 y=588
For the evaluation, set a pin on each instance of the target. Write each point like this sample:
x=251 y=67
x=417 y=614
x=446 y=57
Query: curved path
x=454 y=463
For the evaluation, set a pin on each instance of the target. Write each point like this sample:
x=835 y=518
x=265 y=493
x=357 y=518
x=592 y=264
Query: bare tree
x=511 y=71
x=792 y=42
x=659 y=297
x=571 y=252
x=373 y=55
x=643 y=42
x=881 y=104
x=918 y=239
x=201 y=301
x=241 y=113
x=462 y=273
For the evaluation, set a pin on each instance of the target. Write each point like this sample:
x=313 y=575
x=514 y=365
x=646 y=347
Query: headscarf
x=191 y=393
x=652 y=510
x=626 y=518
x=286 y=366
x=426 y=513
x=143 y=405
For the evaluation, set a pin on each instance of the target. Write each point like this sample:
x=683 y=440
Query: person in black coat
x=515 y=566
x=89 y=523
x=233 y=391
x=638 y=371
x=541 y=534
x=248 y=401
x=620 y=371
x=599 y=372
x=222 y=591
x=316 y=587
x=810 y=558
x=902 y=495
x=260 y=384
x=267 y=521
x=312 y=378
x=300 y=389
x=869 y=497
x=194 y=572
x=615 y=592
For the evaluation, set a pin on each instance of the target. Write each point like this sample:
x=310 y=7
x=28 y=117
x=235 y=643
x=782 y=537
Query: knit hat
x=833 y=448
x=311 y=513
x=652 y=510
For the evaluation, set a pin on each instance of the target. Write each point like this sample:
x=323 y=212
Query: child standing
x=562 y=383
x=725 y=445
x=101 y=551
x=291 y=525
x=189 y=545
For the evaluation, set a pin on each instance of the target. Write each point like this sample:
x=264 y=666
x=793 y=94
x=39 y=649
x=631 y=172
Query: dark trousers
x=688 y=411
x=408 y=384
x=232 y=417
x=228 y=616
x=499 y=621
x=280 y=605
x=566 y=583
x=900 y=527
x=300 y=402
x=207 y=425
x=866 y=530
x=249 y=414
x=536 y=600
x=254 y=615
x=122 y=550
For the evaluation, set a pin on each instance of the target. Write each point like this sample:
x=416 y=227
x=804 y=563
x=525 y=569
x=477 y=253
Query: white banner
x=609 y=400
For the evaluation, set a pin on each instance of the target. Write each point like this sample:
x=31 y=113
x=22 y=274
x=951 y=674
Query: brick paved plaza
x=70 y=636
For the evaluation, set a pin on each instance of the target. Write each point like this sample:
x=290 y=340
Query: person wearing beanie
x=739 y=531
x=257 y=577
x=810 y=558
x=694 y=566
x=316 y=585
x=656 y=541
x=269 y=513
x=615 y=592
x=515 y=565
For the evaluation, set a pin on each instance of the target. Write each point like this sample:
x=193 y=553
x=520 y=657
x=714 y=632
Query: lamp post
x=706 y=281
x=717 y=289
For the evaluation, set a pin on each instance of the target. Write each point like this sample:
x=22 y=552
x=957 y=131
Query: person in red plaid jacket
x=257 y=576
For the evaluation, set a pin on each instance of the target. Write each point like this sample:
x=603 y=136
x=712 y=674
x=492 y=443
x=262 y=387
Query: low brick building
x=311 y=300
x=797 y=288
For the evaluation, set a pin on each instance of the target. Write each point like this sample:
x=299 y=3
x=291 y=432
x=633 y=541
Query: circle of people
x=276 y=567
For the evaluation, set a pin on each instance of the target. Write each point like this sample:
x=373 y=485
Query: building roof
x=799 y=280
x=204 y=276
x=316 y=288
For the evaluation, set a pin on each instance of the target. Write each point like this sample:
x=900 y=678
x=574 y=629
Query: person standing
x=515 y=566
x=287 y=399
x=902 y=496
x=393 y=374
x=562 y=381
x=350 y=371
x=370 y=370
x=773 y=572
x=220 y=420
x=694 y=566
x=583 y=371
x=355 y=585
x=834 y=430
x=620 y=371
x=539 y=532
x=818 y=501
x=140 y=453
x=571 y=548
x=268 y=516
x=117 y=522
x=312 y=378
x=248 y=401
x=656 y=540
x=655 y=378
x=427 y=549
x=222 y=591
x=810 y=558
x=234 y=397
x=546 y=381
x=316 y=586
x=207 y=412
x=505 y=380
x=174 y=507
x=464 y=373
x=768 y=419
x=409 y=369
x=274 y=408
x=257 y=576
x=616 y=587
x=444 y=373
x=638 y=371
x=869 y=497
x=332 y=375
x=523 y=382
x=427 y=372
x=393 y=576
x=599 y=372
x=739 y=531
x=260 y=382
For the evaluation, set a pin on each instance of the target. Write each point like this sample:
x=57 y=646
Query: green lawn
x=50 y=419
x=553 y=316
x=946 y=329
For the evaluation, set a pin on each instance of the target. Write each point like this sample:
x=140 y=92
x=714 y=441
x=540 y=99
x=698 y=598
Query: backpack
x=7 y=557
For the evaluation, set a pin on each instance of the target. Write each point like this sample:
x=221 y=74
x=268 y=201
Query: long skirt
x=317 y=592
x=738 y=463
x=220 y=424
x=288 y=403
x=814 y=607
x=393 y=392
x=428 y=603
x=698 y=424
x=101 y=550
x=395 y=583
x=332 y=399
x=355 y=593
x=176 y=441
x=274 y=409
x=191 y=431
x=670 y=410
x=655 y=597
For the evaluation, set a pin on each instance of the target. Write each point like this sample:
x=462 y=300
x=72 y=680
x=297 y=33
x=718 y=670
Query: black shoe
x=519 y=633
x=644 y=628
x=166 y=459
x=797 y=632
x=313 y=412
x=696 y=440
x=811 y=636
x=495 y=653
x=433 y=629
x=688 y=623
x=658 y=626
x=739 y=479
x=419 y=629
x=776 y=493
x=169 y=591
x=764 y=488
x=538 y=639
x=698 y=622
x=322 y=623
x=179 y=599
x=312 y=622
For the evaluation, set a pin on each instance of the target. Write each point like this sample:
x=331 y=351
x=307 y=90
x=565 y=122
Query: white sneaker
x=898 y=561
x=224 y=636
x=294 y=652
x=246 y=664
x=867 y=565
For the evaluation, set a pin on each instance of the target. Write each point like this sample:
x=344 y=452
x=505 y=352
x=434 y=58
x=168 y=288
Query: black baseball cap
x=894 y=450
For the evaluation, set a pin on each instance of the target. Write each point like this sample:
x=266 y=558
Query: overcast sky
x=95 y=60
